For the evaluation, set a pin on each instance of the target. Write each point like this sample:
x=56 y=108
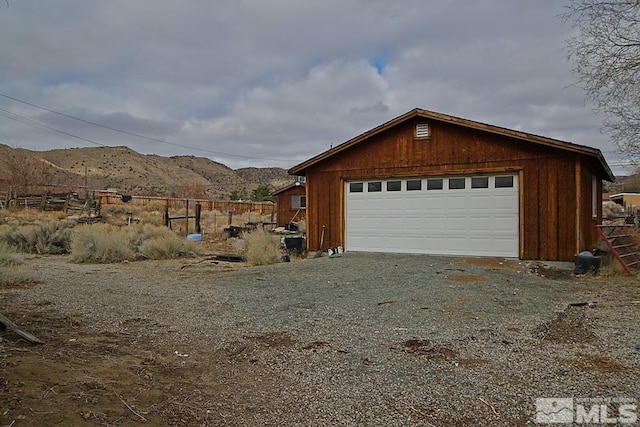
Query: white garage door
x=472 y=215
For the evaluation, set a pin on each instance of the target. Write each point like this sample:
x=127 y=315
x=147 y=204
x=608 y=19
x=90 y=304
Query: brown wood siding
x=284 y=211
x=548 y=182
x=587 y=235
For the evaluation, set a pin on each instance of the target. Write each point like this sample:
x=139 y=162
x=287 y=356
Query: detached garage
x=430 y=183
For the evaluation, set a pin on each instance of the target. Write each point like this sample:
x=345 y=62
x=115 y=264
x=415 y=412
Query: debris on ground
x=540 y=269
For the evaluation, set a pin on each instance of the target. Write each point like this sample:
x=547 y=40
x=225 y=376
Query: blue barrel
x=194 y=237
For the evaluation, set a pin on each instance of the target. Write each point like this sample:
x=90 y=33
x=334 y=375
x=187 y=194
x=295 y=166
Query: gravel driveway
x=362 y=339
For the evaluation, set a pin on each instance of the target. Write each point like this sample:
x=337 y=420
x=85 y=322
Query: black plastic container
x=586 y=262
x=295 y=245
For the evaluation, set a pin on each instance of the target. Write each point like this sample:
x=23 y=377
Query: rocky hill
x=130 y=172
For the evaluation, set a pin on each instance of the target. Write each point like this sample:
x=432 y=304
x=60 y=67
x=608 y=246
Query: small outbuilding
x=629 y=202
x=291 y=203
x=431 y=183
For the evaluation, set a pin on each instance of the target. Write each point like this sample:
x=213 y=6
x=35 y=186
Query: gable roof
x=431 y=115
x=288 y=187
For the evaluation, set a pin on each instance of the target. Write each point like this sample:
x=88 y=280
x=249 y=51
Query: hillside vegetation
x=130 y=172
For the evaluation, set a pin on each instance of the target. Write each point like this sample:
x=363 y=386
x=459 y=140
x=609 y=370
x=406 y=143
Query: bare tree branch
x=605 y=51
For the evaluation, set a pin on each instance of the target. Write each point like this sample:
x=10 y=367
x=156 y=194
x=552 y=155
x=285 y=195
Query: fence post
x=66 y=203
x=230 y=218
x=187 y=214
x=198 y=212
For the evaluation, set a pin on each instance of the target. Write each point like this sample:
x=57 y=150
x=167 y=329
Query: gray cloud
x=279 y=81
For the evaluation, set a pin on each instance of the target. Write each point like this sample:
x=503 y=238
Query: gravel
x=369 y=339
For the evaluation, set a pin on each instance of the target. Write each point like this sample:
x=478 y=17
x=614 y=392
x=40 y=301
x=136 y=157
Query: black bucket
x=233 y=231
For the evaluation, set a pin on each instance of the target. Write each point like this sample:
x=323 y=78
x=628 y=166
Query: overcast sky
x=274 y=82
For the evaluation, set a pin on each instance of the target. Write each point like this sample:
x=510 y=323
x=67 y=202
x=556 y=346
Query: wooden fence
x=237 y=207
x=62 y=202
x=233 y=211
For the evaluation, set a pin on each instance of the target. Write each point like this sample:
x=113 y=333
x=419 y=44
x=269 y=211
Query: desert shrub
x=15 y=275
x=114 y=210
x=8 y=256
x=159 y=242
x=147 y=214
x=164 y=247
x=262 y=248
x=140 y=233
x=12 y=273
x=154 y=217
x=100 y=243
x=613 y=269
x=50 y=237
x=104 y=243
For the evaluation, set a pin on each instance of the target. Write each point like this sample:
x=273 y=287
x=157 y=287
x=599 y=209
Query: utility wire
x=36 y=124
x=219 y=153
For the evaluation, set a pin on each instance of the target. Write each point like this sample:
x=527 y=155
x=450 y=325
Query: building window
x=374 y=186
x=434 y=184
x=456 y=183
x=298 y=202
x=480 y=182
x=422 y=130
x=300 y=179
x=504 y=181
x=356 y=187
x=394 y=185
x=414 y=185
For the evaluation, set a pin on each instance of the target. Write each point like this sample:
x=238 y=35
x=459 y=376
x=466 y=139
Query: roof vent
x=422 y=130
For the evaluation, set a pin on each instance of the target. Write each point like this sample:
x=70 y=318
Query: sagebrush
x=40 y=237
x=262 y=248
x=104 y=243
x=12 y=273
x=100 y=243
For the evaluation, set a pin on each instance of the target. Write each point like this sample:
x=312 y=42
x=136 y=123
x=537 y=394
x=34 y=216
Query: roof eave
x=288 y=187
x=581 y=149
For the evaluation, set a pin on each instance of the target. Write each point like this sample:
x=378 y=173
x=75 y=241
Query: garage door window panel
x=356 y=187
x=435 y=184
x=374 y=186
x=504 y=181
x=414 y=185
x=457 y=183
x=480 y=182
x=394 y=185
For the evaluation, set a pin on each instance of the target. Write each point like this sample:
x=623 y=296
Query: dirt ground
x=102 y=378
x=137 y=371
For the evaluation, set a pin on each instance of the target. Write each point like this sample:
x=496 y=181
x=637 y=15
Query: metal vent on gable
x=422 y=130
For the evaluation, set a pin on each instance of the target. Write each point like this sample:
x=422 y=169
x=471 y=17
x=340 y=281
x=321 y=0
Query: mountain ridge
x=130 y=172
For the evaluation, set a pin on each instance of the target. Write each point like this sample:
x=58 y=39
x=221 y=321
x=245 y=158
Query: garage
x=430 y=183
x=449 y=215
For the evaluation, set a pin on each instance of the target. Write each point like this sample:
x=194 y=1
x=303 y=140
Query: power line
x=36 y=124
x=218 y=153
